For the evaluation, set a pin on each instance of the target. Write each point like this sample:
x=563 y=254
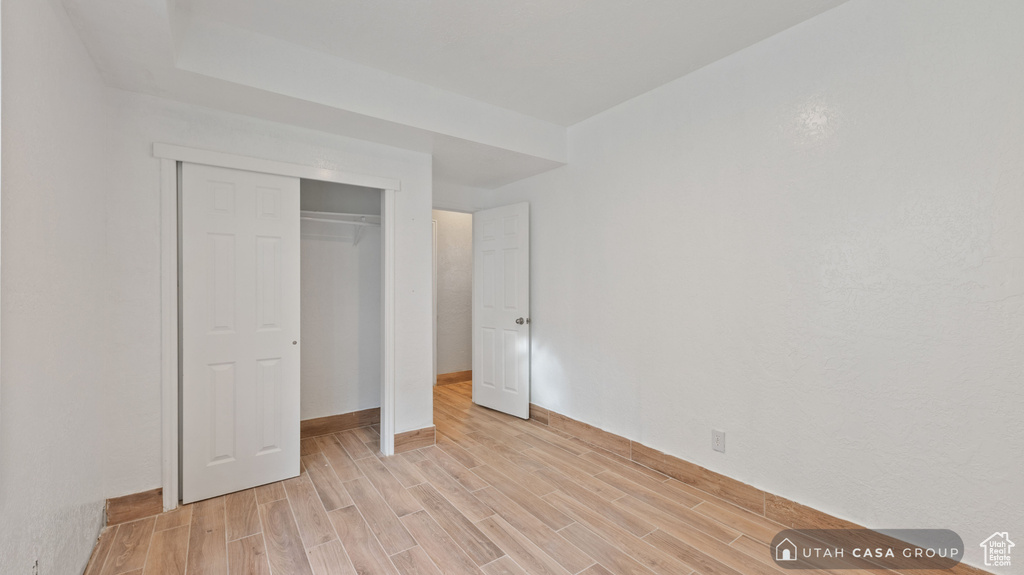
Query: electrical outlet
x=718 y=440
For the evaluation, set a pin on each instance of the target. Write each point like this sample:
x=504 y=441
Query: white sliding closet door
x=239 y=329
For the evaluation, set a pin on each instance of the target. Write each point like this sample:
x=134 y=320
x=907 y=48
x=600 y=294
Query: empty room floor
x=495 y=495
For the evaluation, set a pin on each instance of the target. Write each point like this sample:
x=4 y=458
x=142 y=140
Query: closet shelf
x=359 y=222
x=336 y=218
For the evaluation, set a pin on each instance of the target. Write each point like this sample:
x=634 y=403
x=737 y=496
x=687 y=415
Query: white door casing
x=501 y=309
x=433 y=260
x=240 y=329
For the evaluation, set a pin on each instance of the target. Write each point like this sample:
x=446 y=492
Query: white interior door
x=501 y=309
x=239 y=329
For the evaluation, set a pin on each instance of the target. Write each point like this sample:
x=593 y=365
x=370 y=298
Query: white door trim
x=220 y=159
x=169 y=330
x=169 y=156
x=387 y=388
x=434 y=291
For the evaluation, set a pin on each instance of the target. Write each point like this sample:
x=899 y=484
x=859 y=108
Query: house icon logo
x=997 y=549
x=785 y=551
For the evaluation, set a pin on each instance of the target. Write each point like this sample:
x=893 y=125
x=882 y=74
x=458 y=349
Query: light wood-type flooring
x=495 y=495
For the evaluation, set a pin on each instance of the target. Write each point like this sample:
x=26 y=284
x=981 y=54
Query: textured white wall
x=341 y=353
x=54 y=354
x=454 y=291
x=816 y=245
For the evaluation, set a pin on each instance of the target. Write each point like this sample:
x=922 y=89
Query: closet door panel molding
x=240 y=329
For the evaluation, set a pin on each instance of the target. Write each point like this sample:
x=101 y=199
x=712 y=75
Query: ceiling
x=558 y=60
x=487 y=87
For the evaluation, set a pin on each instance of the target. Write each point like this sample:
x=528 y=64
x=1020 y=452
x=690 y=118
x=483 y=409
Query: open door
x=239 y=330
x=501 y=309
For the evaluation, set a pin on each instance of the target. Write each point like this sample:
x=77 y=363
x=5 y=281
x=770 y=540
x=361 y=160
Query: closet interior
x=341 y=298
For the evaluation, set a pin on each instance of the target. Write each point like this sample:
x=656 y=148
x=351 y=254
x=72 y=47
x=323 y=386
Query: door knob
x=520 y=321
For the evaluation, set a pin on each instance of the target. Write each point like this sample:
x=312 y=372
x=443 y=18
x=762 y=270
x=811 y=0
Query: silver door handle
x=521 y=320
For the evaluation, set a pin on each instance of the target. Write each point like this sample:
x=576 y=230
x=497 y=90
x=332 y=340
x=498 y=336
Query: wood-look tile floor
x=495 y=495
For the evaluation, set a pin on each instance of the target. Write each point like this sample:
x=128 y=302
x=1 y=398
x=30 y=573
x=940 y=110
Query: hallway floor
x=495 y=495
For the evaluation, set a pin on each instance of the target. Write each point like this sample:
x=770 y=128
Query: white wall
x=321 y=196
x=54 y=381
x=448 y=196
x=80 y=417
x=454 y=291
x=815 y=245
x=341 y=313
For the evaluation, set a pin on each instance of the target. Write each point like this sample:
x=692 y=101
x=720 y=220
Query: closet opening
x=341 y=285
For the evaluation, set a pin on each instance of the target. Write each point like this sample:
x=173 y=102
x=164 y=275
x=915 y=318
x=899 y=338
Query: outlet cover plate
x=718 y=440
